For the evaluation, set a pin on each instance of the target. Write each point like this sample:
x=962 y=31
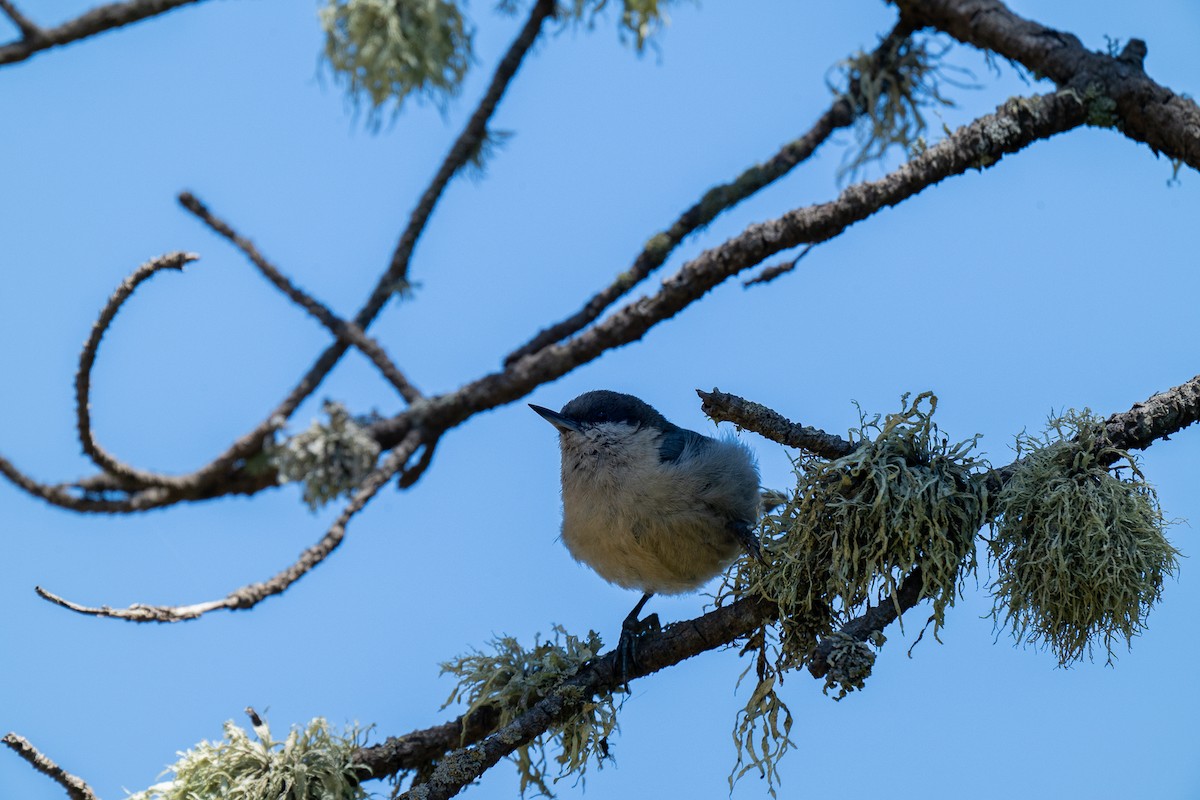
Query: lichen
x=850 y=663
x=856 y=527
x=641 y=20
x=889 y=91
x=761 y=729
x=313 y=763
x=512 y=679
x=1078 y=547
x=388 y=50
x=331 y=459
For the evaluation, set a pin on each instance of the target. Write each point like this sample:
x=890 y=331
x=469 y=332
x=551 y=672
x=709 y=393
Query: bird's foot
x=627 y=657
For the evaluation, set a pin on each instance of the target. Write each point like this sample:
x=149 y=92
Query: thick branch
x=253 y=594
x=76 y=788
x=347 y=332
x=98 y=20
x=717 y=200
x=1147 y=112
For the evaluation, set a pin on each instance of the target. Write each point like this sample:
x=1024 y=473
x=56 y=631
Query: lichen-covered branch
x=346 y=331
x=1140 y=108
x=723 y=407
x=253 y=594
x=76 y=788
x=717 y=200
x=97 y=20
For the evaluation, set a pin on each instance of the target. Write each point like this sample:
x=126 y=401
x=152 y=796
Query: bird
x=649 y=505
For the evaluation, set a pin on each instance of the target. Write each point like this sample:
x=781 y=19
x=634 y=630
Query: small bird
x=650 y=505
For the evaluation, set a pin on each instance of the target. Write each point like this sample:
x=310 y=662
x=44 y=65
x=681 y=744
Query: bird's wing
x=676 y=440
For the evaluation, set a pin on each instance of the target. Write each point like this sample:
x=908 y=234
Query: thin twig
x=97 y=20
x=774 y=271
x=717 y=200
x=253 y=594
x=348 y=332
x=87 y=359
x=76 y=788
x=722 y=407
x=29 y=29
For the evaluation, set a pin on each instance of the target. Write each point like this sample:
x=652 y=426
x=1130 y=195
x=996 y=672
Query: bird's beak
x=556 y=419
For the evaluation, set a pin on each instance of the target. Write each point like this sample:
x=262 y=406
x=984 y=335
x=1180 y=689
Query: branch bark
x=97 y=20
x=76 y=788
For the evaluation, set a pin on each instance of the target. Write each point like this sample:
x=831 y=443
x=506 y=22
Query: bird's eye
x=601 y=416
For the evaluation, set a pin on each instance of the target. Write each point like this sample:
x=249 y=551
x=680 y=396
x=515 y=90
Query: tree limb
x=717 y=200
x=1146 y=112
x=76 y=788
x=253 y=594
x=722 y=407
x=29 y=29
x=97 y=20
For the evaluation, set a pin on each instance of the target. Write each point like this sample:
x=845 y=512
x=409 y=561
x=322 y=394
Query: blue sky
x=1065 y=276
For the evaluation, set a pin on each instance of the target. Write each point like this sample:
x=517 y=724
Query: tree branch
x=1160 y=416
x=347 y=332
x=1146 y=112
x=29 y=29
x=76 y=788
x=717 y=200
x=97 y=20
x=87 y=359
x=766 y=422
x=253 y=594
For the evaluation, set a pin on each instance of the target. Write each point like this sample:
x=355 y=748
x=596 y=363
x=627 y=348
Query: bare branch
x=1145 y=111
x=979 y=145
x=76 y=788
x=347 y=332
x=840 y=114
x=98 y=20
x=87 y=359
x=253 y=594
x=29 y=29
x=722 y=407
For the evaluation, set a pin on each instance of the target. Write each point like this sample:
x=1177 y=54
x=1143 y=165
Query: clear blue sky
x=1066 y=276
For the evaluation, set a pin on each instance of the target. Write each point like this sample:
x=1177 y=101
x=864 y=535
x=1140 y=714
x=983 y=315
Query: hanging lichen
x=313 y=763
x=387 y=50
x=761 y=729
x=331 y=459
x=1078 y=548
x=889 y=91
x=640 y=20
x=512 y=679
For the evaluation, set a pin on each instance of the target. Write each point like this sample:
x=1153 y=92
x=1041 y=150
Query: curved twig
x=347 y=332
x=253 y=594
x=77 y=788
x=97 y=20
x=87 y=359
x=717 y=200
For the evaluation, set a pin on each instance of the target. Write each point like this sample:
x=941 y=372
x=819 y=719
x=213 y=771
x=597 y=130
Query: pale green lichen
x=331 y=459
x=889 y=91
x=1078 y=548
x=856 y=527
x=387 y=50
x=512 y=679
x=640 y=19
x=312 y=763
x=761 y=729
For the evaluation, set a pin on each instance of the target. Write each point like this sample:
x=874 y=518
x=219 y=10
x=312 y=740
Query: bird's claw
x=627 y=658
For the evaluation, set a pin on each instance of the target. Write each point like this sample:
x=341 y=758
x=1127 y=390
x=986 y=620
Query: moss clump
x=387 y=50
x=312 y=763
x=513 y=679
x=856 y=527
x=889 y=90
x=1078 y=548
x=331 y=459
